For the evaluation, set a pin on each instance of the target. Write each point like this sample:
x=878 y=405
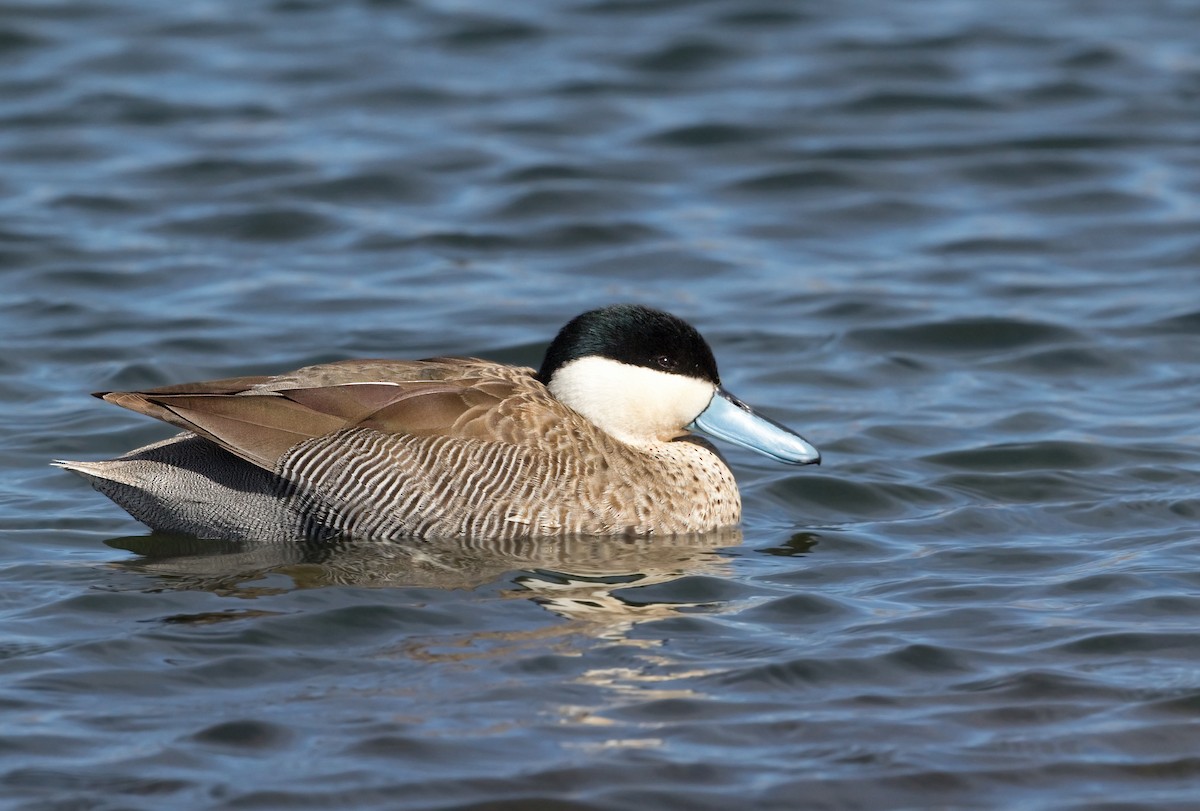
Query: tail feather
x=189 y=485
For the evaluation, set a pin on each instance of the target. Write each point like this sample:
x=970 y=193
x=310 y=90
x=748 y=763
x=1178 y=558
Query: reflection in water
x=580 y=579
x=798 y=545
x=575 y=577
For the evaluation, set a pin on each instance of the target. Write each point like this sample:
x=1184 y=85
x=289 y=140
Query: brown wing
x=391 y=371
x=258 y=428
x=259 y=419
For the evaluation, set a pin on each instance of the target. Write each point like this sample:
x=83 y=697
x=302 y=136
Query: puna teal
x=597 y=441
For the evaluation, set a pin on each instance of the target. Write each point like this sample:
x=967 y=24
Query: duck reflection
x=575 y=577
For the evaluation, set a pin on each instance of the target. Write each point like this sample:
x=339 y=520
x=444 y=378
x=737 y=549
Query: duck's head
x=647 y=376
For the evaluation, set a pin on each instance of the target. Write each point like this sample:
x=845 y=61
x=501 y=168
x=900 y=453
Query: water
x=955 y=244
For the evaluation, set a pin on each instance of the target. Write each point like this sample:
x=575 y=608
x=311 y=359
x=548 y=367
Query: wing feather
x=260 y=419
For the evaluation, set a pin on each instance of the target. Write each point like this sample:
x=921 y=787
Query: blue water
x=955 y=244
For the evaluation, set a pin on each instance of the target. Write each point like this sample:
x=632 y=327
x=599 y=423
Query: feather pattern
x=444 y=447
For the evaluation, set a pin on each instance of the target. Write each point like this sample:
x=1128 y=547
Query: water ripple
x=953 y=244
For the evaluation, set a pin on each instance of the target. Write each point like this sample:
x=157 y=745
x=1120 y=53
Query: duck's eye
x=665 y=362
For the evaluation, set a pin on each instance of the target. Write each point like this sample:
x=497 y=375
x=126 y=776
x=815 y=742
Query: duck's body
x=594 y=444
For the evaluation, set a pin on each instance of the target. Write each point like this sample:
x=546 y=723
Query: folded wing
x=259 y=419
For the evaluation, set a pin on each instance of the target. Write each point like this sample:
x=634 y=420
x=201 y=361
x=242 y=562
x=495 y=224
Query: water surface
x=954 y=244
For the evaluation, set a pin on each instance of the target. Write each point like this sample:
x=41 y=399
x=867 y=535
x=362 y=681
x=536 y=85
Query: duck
x=601 y=440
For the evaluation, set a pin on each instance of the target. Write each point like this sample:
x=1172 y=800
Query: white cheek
x=633 y=403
